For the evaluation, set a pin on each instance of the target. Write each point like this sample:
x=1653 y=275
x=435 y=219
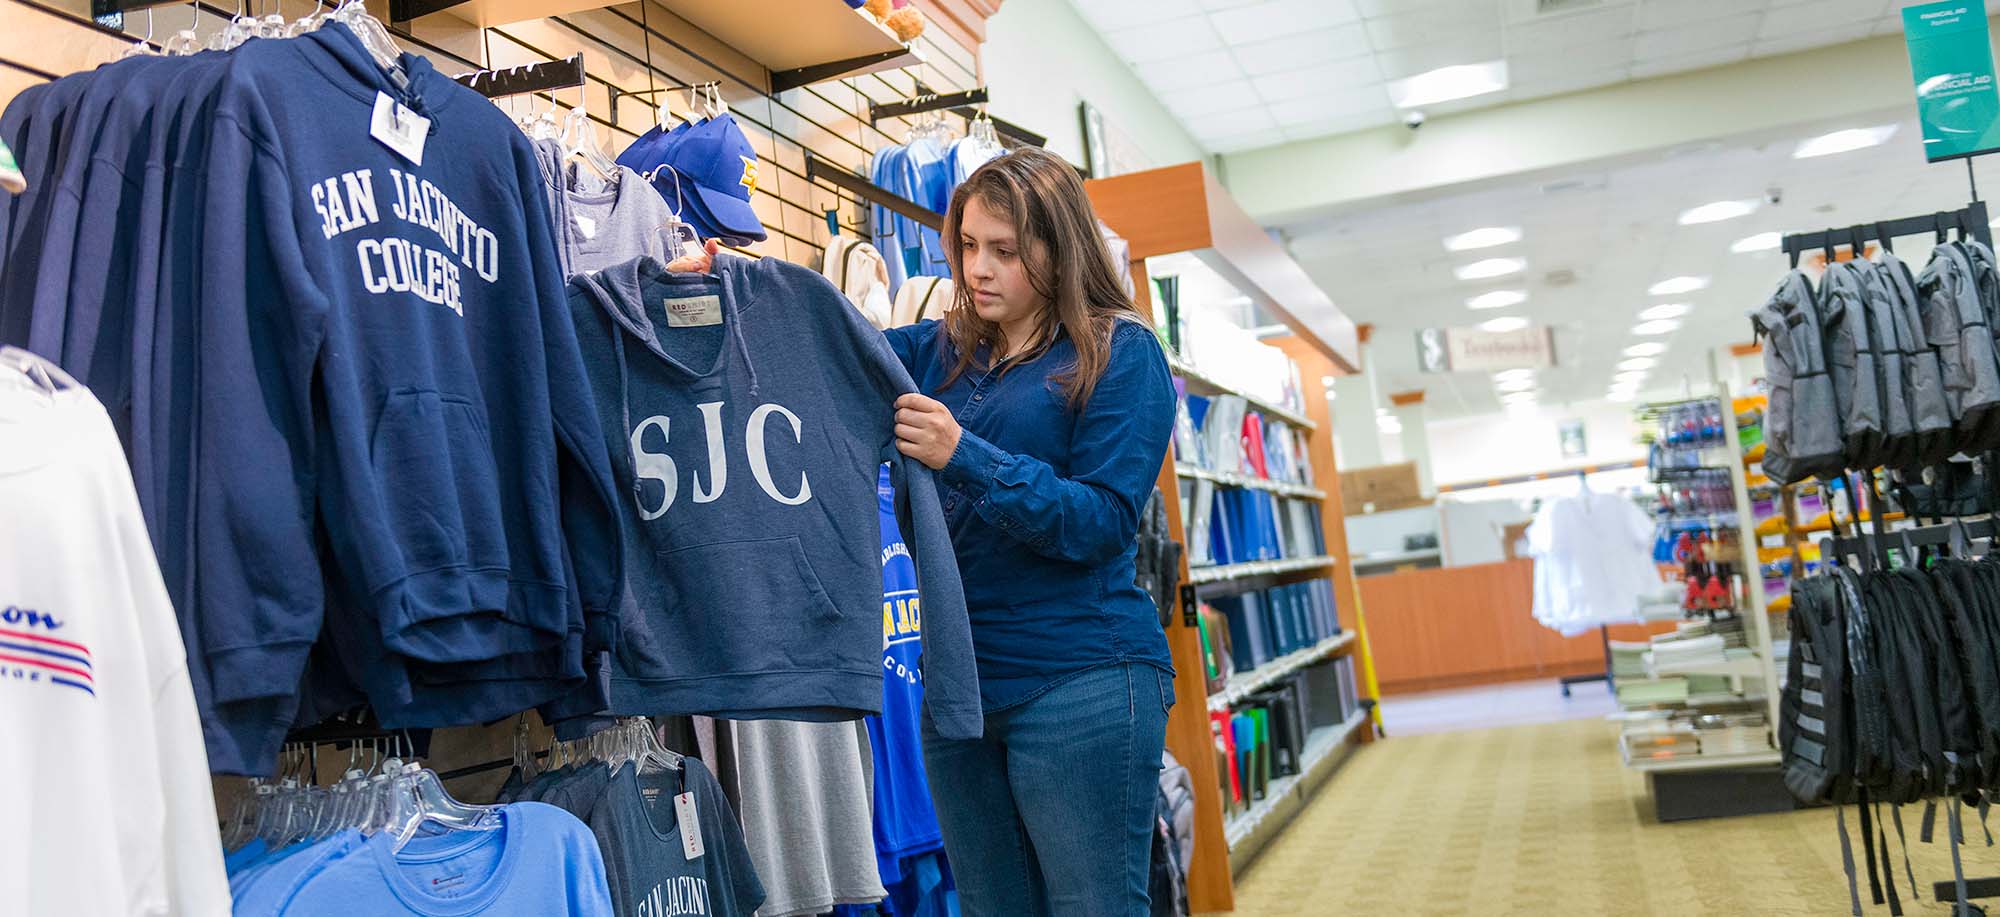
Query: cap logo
x=749 y=179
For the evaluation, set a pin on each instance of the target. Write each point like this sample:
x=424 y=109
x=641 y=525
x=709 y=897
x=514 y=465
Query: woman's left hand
x=925 y=430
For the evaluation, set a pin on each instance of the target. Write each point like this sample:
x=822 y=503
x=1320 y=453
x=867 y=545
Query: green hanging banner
x=1951 y=58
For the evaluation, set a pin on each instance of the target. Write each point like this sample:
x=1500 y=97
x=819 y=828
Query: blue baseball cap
x=717 y=163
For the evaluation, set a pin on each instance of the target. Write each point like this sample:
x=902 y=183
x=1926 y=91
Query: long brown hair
x=1066 y=260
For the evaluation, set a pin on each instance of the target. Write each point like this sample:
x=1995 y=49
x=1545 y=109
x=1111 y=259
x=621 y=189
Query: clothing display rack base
x=1604 y=636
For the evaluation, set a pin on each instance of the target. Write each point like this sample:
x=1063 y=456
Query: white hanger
x=33 y=371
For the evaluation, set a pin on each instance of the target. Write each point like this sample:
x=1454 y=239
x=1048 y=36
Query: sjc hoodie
x=747 y=412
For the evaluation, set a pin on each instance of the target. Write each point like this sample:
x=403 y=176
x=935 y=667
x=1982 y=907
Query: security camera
x=1774 y=195
x=1413 y=119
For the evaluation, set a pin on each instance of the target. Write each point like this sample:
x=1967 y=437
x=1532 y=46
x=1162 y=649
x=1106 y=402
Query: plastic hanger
x=374 y=36
x=38 y=373
x=144 y=46
x=418 y=796
x=1882 y=236
x=581 y=134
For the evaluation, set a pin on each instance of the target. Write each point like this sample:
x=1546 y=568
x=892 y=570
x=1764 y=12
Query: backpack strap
x=1957 y=866
x=1868 y=840
x=1896 y=813
x=1929 y=826
x=1847 y=858
x=1888 y=870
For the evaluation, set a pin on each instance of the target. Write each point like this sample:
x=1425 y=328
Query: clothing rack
x=617 y=93
x=866 y=190
x=543 y=77
x=1968 y=219
x=925 y=101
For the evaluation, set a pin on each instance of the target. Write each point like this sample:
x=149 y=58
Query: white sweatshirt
x=104 y=786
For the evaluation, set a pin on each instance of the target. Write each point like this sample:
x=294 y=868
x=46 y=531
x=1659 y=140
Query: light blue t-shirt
x=272 y=886
x=541 y=862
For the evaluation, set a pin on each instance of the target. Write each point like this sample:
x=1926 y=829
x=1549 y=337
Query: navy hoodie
x=747 y=413
x=386 y=363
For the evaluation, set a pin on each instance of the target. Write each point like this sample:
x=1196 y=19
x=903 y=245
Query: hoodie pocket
x=747 y=606
x=434 y=459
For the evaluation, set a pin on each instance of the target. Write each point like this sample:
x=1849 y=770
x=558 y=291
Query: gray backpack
x=1956 y=322
x=1923 y=386
x=1850 y=357
x=1802 y=427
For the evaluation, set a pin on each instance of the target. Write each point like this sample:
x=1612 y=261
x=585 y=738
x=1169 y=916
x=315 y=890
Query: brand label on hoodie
x=694 y=311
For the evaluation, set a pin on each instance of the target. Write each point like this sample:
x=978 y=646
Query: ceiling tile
x=1561 y=33
x=1237 y=143
x=1374 y=8
x=1705 y=36
x=1111 y=15
x=1164 y=40
x=1225 y=4
x=1294 y=51
x=1274 y=18
x=1814 y=39
x=1819 y=14
x=1342 y=124
x=1198 y=101
x=1416 y=59
x=1326 y=78
x=1523 y=11
x=1671 y=14
x=1534 y=68
x=1163 y=76
x=1329 y=105
x=1429 y=24
x=1680 y=63
x=1224 y=124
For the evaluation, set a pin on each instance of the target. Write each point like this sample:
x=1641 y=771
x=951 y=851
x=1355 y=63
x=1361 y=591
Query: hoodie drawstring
x=734 y=316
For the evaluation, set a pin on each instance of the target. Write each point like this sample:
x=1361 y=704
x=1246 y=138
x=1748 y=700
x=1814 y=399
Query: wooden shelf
x=1199 y=384
x=1244 y=684
x=1229 y=479
x=799 y=42
x=1319 y=758
x=1216 y=573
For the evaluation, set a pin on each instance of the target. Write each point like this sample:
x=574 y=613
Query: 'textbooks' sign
x=1447 y=350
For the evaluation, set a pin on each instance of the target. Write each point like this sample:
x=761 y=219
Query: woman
x=1046 y=411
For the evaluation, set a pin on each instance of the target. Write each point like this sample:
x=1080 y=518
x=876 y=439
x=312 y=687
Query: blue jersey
x=905 y=822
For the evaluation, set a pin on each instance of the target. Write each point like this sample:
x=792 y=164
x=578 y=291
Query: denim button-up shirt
x=1043 y=504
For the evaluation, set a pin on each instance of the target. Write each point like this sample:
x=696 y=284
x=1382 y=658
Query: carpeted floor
x=1544 y=820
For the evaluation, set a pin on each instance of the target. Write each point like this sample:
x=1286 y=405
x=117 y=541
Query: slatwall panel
x=634 y=46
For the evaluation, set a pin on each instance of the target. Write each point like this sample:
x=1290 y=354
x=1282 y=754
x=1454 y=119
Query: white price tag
x=400 y=129
x=690 y=822
x=587 y=226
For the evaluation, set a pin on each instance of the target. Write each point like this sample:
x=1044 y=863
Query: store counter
x=1452 y=627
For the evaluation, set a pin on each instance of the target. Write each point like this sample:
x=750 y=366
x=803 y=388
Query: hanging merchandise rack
x=868 y=191
x=509 y=81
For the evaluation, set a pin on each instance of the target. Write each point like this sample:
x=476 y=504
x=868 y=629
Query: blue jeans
x=1052 y=811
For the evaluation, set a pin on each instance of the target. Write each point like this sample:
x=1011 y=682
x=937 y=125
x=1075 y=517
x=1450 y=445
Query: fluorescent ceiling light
x=1484 y=237
x=1504 y=323
x=1517 y=397
x=1620 y=395
x=1388 y=425
x=1637 y=363
x=1645 y=350
x=1507 y=374
x=1490 y=268
x=1326 y=381
x=1675 y=286
x=1515 y=385
x=1847 y=141
x=1665 y=311
x=1630 y=377
x=1498 y=299
x=1459 y=81
x=1761 y=242
x=1717 y=211
x=1663 y=326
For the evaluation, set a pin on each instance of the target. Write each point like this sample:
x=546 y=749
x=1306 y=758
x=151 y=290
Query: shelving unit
x=1754 y=678
x=798 y=43
x=1224 y=572
x=1244 y=684
x=1246 y=834
x=1183 y=209
x=1228 y=479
